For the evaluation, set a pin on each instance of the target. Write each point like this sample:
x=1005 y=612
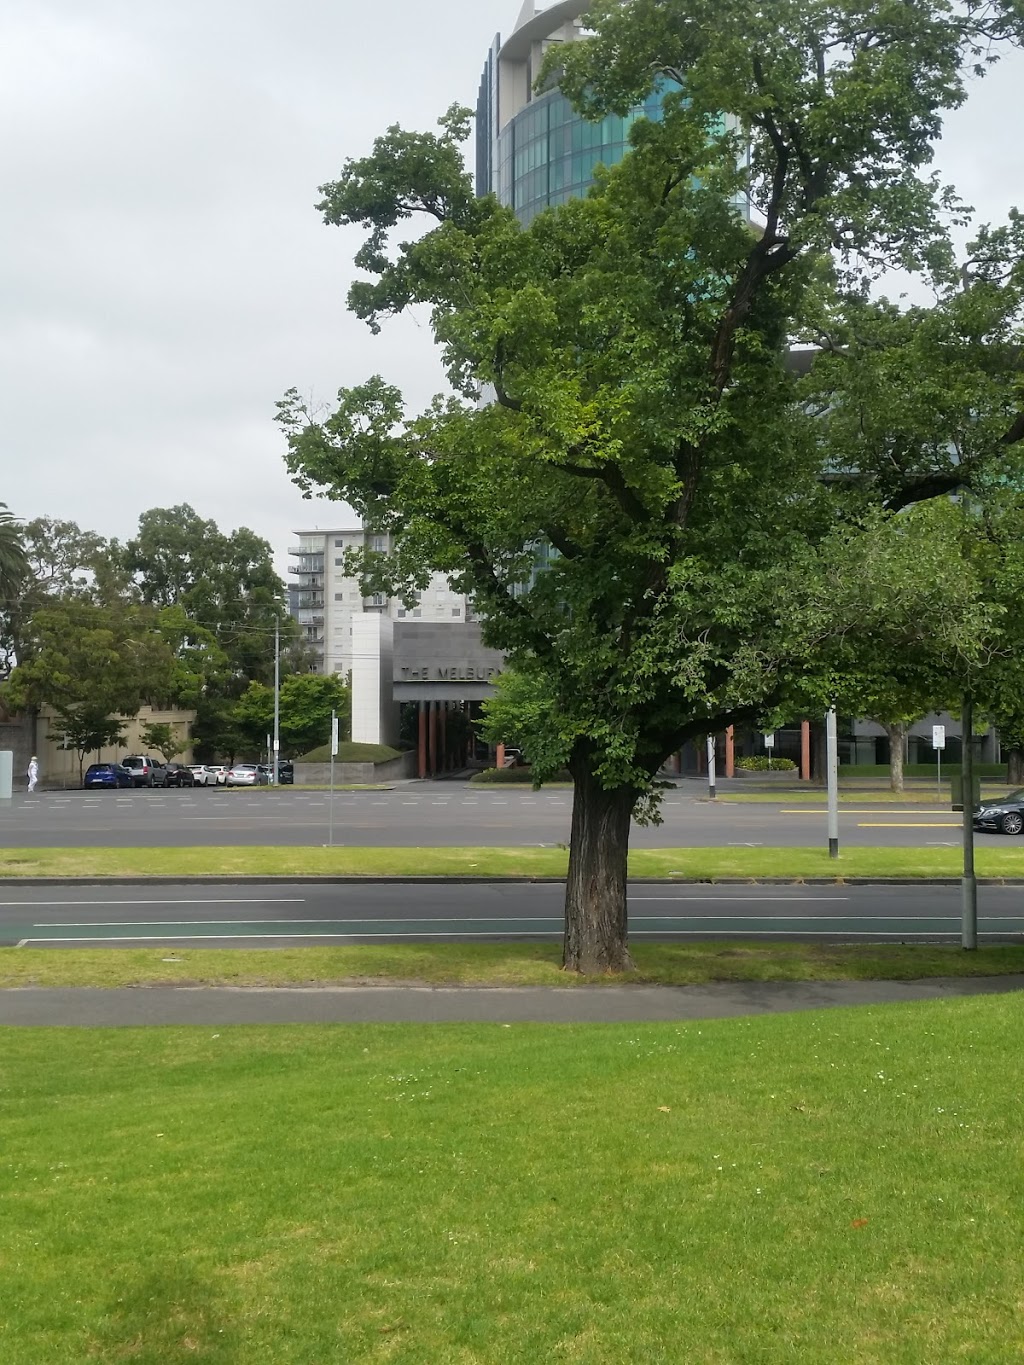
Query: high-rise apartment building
x=325 y=599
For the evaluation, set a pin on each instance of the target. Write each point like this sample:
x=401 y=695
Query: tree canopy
x=640 y=415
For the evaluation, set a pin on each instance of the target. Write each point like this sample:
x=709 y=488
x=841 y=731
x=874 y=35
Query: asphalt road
x=435 y=814
x=281 y=915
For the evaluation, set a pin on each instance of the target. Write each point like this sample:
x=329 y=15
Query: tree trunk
x=1015 y=766
x=596 y=936
x=897 y=734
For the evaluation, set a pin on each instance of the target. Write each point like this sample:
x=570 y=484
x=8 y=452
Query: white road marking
x=211 y=900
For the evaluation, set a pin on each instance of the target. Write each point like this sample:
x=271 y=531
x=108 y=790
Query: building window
x=339 y=563
x=417 y=612
x=378 y=544
x=339 y=544
x=456 y=611
x=401 y=611
x=339 y=597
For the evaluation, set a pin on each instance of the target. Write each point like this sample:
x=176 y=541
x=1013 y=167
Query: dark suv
x=180 y=776
x=145 y=772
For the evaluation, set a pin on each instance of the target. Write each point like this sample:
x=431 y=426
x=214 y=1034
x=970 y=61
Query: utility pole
x=711 y=767
x=969 y=884
x=832 y=766
x=277 y=702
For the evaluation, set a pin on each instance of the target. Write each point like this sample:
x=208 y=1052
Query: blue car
x=106 y=775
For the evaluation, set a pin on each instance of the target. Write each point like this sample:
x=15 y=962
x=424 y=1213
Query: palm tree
x=14 y=566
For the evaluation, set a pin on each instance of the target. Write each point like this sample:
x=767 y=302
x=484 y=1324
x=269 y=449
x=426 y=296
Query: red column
x=730 y=752
x=423 y=740
x=805 y=751
x=499 y=755
x=432 y=737
x=442 y=738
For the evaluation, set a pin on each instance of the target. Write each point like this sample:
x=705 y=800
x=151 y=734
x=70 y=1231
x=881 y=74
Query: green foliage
x=307 y=701
x=162 y=738
x=86 y=729
x=351 y=752
x=764 y=763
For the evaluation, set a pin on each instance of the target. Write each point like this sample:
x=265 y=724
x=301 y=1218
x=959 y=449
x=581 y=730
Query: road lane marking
x=865 y=811
x=151 y=901
x=907 y=824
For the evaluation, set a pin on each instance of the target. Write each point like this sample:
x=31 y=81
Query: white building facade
x=328 y=601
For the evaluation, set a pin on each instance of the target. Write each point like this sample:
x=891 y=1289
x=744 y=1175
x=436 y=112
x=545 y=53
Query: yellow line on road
x=907 y=824
x=866 y=811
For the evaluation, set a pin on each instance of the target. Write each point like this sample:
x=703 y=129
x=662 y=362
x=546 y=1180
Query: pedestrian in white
x=33 y=773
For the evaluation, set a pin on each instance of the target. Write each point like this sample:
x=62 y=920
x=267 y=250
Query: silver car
x=248 y=775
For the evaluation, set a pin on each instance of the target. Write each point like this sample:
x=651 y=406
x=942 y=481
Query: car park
x=202 y=776
x=1003 y=816
x=248 y=775
x=107 y=775
x=179 y=776
x=145 y=771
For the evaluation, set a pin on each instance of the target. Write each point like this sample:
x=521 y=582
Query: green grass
x=350 y=751
x=703 y=864
x=842 y=1186
x=922 y=796
x=494 y=964
x=515 y=777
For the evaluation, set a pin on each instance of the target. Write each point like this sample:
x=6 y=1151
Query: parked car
x=179 y=776
x=1005 y=816
x=220 y=773
x=145 y=771
x=107 y=775
x=285 y=773
x=202 y=776
x=248 y=775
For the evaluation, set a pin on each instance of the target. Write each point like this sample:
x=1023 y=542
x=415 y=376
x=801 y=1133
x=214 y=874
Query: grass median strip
x=703 y=864
x=493 y=964
x=806 y=1187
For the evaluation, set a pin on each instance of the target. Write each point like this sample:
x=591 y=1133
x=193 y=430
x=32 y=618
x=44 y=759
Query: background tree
x=644 y=424
x=93 y=665
x=60 y=563
x=162 y=738
x=13 y=571
x=307 y=701
x=87 y=729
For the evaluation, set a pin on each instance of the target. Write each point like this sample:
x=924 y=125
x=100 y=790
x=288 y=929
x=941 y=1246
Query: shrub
x=763 y=764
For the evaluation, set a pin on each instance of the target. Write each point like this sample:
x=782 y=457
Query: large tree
x=643 y=421
x=307 y=702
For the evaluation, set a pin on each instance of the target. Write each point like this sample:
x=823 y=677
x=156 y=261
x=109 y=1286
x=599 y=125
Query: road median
x=883 y=865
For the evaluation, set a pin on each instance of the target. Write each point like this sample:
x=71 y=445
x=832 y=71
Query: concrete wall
x=374 y=710
x=59 y=767
x=319 y=774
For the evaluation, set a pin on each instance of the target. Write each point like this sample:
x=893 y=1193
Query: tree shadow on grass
x=165 y=1317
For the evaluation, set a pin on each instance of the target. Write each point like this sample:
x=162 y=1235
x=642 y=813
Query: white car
x=202 y=775
x=220 y=773
x=247 y=775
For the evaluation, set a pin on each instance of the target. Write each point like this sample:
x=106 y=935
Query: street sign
x=938 y=736
x=769 y=741
x=334 y=736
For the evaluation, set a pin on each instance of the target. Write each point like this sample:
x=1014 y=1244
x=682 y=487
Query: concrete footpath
x=219 y=1006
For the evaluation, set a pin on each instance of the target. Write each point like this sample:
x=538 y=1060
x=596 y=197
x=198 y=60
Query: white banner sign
x=938 y=736
x=769 y=741
x=334 y=736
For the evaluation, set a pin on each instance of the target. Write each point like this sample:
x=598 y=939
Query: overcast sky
x=163 y=275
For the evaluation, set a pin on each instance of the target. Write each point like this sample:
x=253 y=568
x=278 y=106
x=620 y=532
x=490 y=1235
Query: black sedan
x=1004 y=816
x=180 y=776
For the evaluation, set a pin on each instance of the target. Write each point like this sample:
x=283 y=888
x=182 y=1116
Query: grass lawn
x=494 y=964
x=703 y=864
x=843 y=1186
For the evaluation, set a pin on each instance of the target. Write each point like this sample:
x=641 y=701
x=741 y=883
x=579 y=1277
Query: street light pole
x=969 y=883
x=277 y=701
x=711 y=767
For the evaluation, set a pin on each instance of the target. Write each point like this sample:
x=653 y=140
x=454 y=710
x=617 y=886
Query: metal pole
x=832 y=764
x=330 y=803
x=938 y=779
x=711 y=767
x=969 y=885
x=277 y=701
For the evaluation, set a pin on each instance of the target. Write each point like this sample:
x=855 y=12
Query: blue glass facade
x=547 y=154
